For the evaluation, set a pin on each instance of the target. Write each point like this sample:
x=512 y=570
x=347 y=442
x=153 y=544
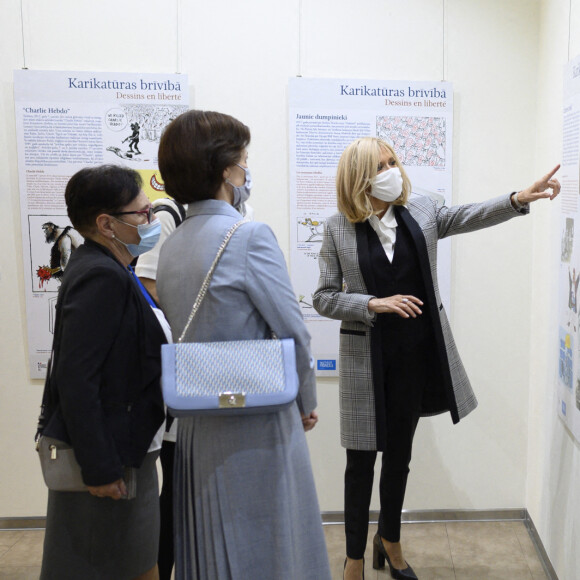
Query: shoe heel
x=378 y=558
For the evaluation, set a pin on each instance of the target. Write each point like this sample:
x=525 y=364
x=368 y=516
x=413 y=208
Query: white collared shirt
x=386 y=229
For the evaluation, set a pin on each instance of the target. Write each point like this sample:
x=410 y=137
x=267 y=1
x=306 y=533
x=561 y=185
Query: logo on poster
x=326 y=365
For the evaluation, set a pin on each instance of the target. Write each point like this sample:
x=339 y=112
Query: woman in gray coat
x=398 y=360
x=245 y=501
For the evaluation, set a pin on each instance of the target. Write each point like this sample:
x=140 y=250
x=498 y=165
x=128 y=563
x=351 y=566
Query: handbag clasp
x=229 y=400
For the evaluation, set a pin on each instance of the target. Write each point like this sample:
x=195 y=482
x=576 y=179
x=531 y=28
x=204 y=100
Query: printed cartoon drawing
x=120 y=153
x=64 y=242
x=146 y=123
x=567 y=240
x=133 y=139
x=418 y=141
x=315 y=227
x=573 y=280
x=156 y=184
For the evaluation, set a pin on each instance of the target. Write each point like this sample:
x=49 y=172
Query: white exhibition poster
x=568 y=382
x=66 y=121
x=325 y=115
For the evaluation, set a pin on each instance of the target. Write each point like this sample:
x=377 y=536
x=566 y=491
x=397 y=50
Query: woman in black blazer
x=104 y=397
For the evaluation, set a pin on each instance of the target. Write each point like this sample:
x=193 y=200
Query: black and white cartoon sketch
x=133 y=139
x=120 y=153
x=146 y=123
x=567 y=240
x=419 y=141
x=573 y=281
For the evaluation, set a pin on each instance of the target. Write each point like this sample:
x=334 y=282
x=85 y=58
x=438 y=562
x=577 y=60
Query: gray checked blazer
x=343 y=295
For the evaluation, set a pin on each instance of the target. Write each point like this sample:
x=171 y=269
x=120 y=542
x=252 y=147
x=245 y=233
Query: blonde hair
x=356 y=170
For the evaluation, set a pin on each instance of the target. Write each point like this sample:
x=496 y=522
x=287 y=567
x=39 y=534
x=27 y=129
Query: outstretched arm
x=470 y=217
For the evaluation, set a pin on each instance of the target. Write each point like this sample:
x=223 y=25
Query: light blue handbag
x=244 y=376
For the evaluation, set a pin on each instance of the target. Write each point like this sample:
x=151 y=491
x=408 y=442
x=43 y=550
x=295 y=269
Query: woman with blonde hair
x=398 y=360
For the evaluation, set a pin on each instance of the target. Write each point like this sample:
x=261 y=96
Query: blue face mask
x=149 y=235
x=241 y=192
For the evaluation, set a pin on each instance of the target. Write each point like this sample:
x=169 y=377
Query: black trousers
x=406 y=372
x=166 y=558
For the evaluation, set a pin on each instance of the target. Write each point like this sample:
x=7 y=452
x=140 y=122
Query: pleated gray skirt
x=93 y=538
x=245 y=505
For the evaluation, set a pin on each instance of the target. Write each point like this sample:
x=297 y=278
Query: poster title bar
x=116 y=85
x=366 y=91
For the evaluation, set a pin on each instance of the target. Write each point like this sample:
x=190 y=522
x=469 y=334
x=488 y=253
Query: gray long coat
x=246 y=505
x=342 y=259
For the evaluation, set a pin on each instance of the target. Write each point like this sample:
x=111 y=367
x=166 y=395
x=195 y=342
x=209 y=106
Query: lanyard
x=142 y=288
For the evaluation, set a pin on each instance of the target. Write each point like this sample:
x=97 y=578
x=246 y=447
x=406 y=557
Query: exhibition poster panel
x=66 y=121
x=325 y=115
x=568 y=381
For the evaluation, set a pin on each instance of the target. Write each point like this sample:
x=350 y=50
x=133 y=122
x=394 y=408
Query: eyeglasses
x=147 y=212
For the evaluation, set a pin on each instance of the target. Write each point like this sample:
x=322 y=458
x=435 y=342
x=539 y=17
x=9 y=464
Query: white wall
x=238 y=58
x=490 y=54
x=553 y=471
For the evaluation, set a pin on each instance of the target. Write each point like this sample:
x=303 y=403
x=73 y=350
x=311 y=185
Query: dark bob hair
x=195 y=150
x=93 y=191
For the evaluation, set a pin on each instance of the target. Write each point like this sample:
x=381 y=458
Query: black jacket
x=106 y=369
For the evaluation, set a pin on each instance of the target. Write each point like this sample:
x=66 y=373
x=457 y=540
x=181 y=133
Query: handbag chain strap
x=207 y=279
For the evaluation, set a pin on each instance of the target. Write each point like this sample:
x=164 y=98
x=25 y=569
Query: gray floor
x=454 y=551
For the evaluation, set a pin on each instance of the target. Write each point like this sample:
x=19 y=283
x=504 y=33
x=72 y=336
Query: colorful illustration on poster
x=52 y=242
x=565 y=365
x=152 y=183
x=310 y=229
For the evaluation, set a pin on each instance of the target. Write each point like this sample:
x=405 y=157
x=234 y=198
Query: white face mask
x=388 y=185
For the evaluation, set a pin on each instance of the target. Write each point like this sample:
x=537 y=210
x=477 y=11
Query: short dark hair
x=96 y=190
x=195 y=150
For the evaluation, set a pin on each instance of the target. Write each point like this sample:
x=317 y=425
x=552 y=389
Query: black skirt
x=93 y=538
